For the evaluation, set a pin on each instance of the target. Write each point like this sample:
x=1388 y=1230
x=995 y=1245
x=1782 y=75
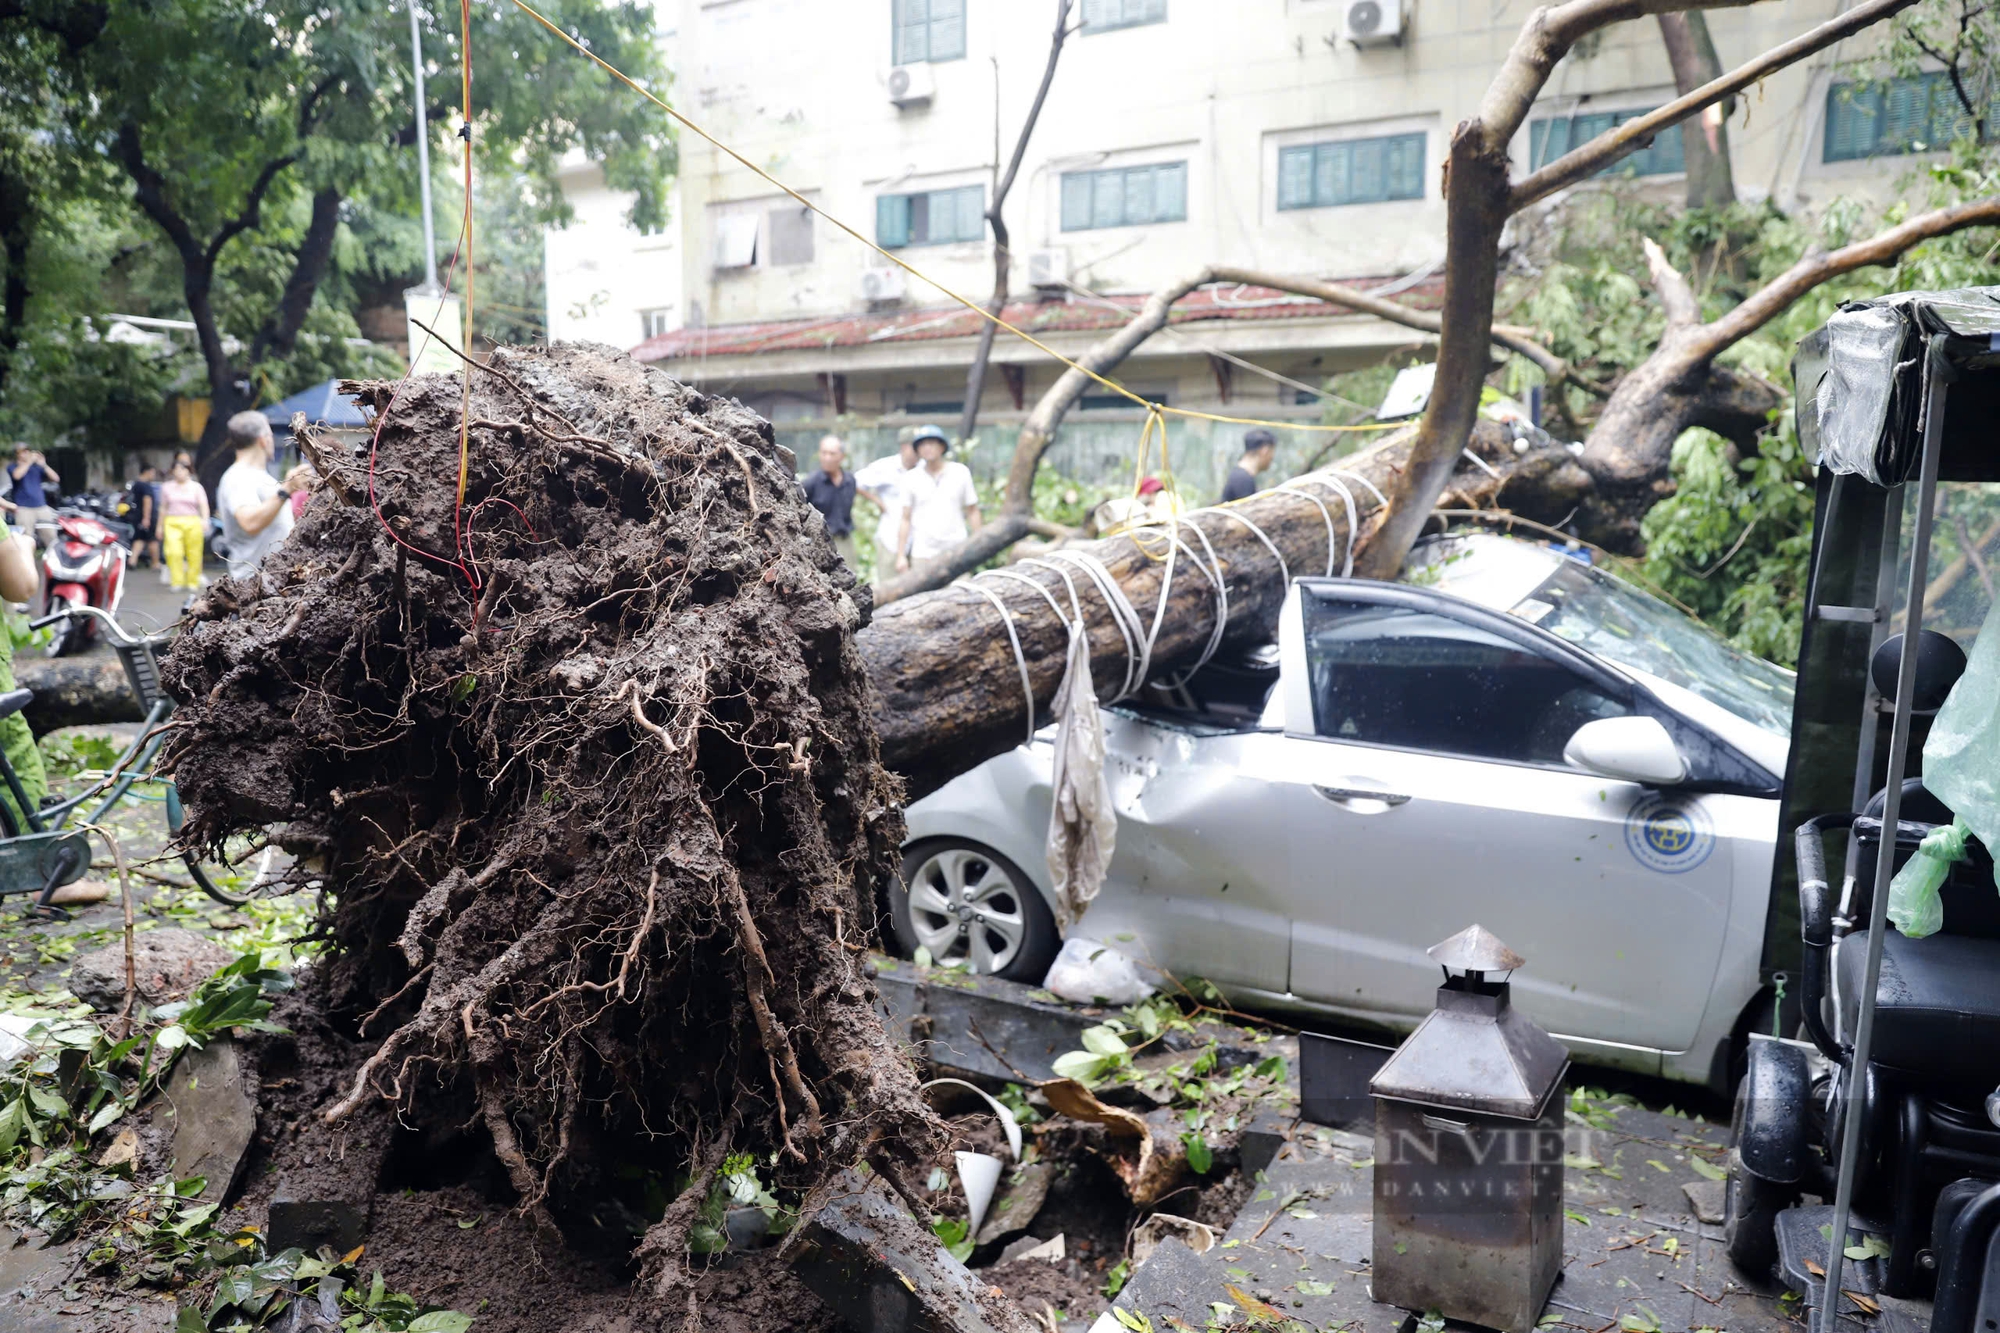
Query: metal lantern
x=1469 y=1151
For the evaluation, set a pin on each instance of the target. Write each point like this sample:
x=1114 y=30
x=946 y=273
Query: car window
x=1384 y=675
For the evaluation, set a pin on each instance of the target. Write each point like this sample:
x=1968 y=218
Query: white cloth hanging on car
x=1083 y=828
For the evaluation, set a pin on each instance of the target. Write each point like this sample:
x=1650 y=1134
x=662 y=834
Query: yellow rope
x=973 y=306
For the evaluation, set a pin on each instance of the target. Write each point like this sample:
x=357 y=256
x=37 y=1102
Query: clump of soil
x=572 y=730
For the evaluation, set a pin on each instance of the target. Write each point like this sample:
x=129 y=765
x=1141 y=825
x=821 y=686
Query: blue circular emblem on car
x=1668 y=835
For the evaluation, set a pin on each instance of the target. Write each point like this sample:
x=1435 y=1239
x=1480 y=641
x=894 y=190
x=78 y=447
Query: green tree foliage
x=252 y=139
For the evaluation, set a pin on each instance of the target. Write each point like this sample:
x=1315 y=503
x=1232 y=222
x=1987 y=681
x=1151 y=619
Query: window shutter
x=1076 y=201
x=947 y=37
x=1100 y=13
x=1406 y=167
x=1838 y=142
x=972 y=213
x=912 y=31
x=1949 y=120
x=1371 y=171
x=1107 y=199
x=1170 y=193
x=1668 y=153
x=892 y=220
x=1147 y=11
x=1138 y=194
x=1331 y=174
x=1905 y=115
x=1295 y=177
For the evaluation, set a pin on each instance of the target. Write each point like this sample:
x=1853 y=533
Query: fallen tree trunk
x=948 y=685
x=75 y=691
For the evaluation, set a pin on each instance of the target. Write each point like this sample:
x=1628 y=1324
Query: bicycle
x=54 y=848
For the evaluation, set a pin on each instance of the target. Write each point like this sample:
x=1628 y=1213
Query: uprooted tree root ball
x=586 y=765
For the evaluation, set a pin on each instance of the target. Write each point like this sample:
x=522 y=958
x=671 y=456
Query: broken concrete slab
x=1022 y=1193
x=211 y=1104
x=1708 y=1198
x=882 y=1271
x=979 y=1025
x=32 y=1275
x=168 y=965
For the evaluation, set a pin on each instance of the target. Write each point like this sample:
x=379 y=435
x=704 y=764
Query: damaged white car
x=1511 y=737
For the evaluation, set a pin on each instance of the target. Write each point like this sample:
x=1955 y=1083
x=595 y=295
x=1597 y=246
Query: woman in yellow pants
x=184 y=516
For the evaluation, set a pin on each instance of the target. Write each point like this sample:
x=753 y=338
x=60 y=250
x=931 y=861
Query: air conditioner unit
x=880 y=286
x=1048 y=268
x=911 y=85
x=1374 y=22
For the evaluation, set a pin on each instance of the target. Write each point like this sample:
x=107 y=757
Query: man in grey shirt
x=255 y=508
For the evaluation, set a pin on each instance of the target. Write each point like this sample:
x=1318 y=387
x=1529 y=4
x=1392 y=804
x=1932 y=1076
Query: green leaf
x=1309 y=1287
x=1101 y=1040
x=1199 y=1157
x=1576 y=1217
x=1871 y=1247
x=1641 y=1320
x=1079 y=1065
x=1705 y=1168
x=1138 y=1323
x=440 y=1321
x=1272 y=1067
x=1114 y=1278
x=462 y=688
x=106 y=1115
x=171 y=1037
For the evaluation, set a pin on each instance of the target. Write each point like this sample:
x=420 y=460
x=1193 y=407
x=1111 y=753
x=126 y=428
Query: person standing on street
x=146 y=518
x=831 y=491
x=183 y=525
x=31 y=475
x=1259 y=448
x=882 y=482
x=256 y=508
x=942 y=507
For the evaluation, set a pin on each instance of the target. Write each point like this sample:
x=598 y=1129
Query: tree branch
x=281 y=331
x=253 y=207
x=1003 y=255
x=1512 y=337
x=1683 y=310
x=1606 y=148
x=1772 y=300
x=1546 y=38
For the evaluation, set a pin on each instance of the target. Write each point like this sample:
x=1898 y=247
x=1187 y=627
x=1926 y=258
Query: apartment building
x=1293 y=136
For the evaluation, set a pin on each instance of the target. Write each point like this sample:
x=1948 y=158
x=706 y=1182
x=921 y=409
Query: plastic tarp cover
x=1962 y=769
x=1083 y=826
x=1864 y=356
x=1852 y=402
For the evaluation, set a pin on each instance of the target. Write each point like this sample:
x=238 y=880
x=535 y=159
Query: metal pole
x=423 y=153
x=1885 y=857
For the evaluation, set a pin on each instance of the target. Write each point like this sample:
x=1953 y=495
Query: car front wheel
x=966 y=903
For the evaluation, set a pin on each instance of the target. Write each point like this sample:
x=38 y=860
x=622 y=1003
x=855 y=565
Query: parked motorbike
x=83 y=566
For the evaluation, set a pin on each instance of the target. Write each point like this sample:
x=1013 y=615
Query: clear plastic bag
x=1086 y=972
x=1962 y=769
x=1915 y=905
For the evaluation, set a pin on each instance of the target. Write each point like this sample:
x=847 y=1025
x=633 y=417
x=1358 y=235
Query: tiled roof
x=1051 y=316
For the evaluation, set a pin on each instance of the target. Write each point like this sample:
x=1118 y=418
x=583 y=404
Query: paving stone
x=168 y=965
x=31 y=1279
x=881 y=1271
x=213 y=1112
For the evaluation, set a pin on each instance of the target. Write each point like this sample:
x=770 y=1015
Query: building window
x=653 y=323
x=1351 y=171
x=1104 y=15
x=930 y=30
x=788 y=228
x=934 y=217
x=1124 y=196
x=1917 y=114
x=1552 y=136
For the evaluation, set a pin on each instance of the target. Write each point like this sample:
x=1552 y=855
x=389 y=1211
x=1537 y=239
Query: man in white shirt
x=882 y=482
x=255 y=509
x=941 y=507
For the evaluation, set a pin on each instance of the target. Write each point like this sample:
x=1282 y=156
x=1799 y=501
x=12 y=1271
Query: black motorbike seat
x=1937 y=1004
x=13 y=701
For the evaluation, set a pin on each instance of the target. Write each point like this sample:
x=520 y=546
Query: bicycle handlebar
x=111 y=625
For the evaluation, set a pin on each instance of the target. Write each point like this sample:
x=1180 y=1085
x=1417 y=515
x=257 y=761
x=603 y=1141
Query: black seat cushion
x=1937 y=1007
x=13 y=701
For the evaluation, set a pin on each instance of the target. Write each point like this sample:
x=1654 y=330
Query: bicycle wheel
x=245 y=869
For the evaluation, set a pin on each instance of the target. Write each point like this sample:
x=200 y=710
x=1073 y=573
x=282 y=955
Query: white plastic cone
x=979 y=1174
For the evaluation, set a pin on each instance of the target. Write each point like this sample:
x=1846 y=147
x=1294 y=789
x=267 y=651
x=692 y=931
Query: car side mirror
x=1631 y=749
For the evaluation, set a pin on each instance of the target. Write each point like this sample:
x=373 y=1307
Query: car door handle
x=1352 y=796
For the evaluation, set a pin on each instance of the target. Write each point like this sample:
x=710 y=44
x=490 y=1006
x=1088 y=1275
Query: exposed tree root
x=588 y=766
